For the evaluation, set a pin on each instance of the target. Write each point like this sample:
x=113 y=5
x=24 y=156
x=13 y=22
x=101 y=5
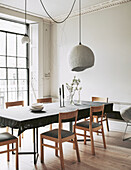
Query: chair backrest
x=96 y=109
x=100 y=99
x=16 y=103
x=67 y=116
x=45 y=100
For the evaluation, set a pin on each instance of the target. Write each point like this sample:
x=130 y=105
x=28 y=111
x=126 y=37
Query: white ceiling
x=56 y=8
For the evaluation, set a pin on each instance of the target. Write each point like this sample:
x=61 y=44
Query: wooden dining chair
x=11 y=104
x=91 y=126
x=7 y=139
x=45 y=100
x=59 y=136
x=100 y=99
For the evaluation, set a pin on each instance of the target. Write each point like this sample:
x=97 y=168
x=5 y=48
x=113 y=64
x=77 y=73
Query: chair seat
x=126 y=114
x=6 y=137
x=85 y=124
x=54 y=133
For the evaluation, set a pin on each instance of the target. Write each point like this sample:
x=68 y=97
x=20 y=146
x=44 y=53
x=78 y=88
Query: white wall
x=108 y=34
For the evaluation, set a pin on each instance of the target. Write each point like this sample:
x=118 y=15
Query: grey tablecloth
x=23 y=118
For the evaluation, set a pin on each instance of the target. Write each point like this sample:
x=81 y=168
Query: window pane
x=22 y=74
x=12 y=96
x=12 y=85
x=11 y=62
x=2 y=61
x=12 y=74
x=11 y=45
x=3 y=99
x=21 y=62
x=2 y=73
x=2 y=43
x=22 y=95
x=3 y=86
x=21 y=47
x=22 y=84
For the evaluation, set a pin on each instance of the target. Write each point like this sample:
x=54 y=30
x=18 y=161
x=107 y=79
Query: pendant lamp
x=25 y=39
x=81 y=57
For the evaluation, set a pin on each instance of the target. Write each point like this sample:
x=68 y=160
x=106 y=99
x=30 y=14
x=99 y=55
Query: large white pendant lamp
x=81 y=57
x=25 y=39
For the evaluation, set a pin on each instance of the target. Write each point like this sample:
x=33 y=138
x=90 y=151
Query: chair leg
x=20 y=141
x=74 y=146
x=42 y=149
x=33 y=136
x=103 y=136
x=7 y=128
x=97 y=122
x=61 y=156
x=22 y=135
x=56 y=150
x=17 y=155
x=92 y=143
x=127 y=124
x=50 y=126
x=77 y=149
x=84 y=137
x=107 y=124
x=8 y=155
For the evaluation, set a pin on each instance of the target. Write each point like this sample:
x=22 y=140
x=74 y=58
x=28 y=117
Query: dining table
x=23 y=118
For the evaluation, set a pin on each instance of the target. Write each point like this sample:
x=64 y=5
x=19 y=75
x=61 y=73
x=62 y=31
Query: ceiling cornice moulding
x=46 y=19
x=96 y=8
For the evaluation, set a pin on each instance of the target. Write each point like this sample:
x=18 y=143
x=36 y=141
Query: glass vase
x=79 y=100
x=71 y=99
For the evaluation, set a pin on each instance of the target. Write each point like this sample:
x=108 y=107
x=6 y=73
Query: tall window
x=14 y=69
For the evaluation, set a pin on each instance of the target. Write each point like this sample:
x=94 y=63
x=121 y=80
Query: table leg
x=12 y=143
x=35 y=133
x=71 y=126
x=37 y=138
x=35 y=152
x=34 y=146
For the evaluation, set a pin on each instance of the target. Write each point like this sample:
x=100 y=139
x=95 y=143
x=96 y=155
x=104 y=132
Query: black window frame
x=27 y=57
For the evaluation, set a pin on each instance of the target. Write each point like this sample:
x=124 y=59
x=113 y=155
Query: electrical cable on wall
x=58 y=22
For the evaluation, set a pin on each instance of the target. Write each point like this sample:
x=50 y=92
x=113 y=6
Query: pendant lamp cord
x=79 y=22
x=58 y=22
x=25 y=12
x=25 y=16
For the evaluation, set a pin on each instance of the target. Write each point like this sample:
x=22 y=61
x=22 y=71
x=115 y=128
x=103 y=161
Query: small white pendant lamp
x=81 y=57
x=25 y=39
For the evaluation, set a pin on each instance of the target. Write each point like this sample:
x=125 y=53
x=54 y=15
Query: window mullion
x=27 y=62
x=6 y=67
x=17 y=67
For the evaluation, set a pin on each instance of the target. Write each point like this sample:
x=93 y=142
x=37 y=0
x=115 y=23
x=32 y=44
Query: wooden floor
x=117 y=156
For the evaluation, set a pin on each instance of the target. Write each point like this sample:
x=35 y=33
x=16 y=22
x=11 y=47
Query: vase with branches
x=72 y=88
